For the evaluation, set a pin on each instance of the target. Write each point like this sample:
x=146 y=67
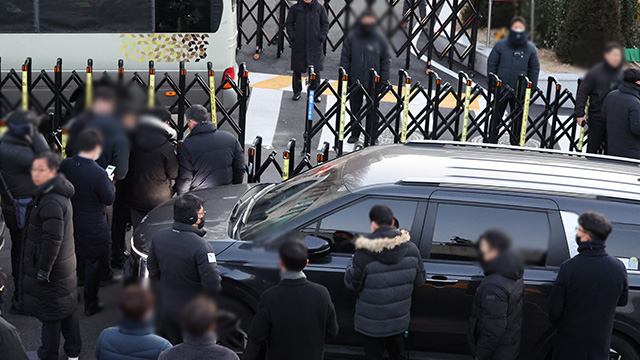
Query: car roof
x=493 y=166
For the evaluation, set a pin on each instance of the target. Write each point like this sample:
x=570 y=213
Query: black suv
x=445 y=194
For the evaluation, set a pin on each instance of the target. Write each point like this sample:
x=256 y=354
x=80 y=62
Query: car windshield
x=291 y=199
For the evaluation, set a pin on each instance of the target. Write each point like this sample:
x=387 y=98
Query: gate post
x=343 y=87
x=120 y=74
x=259 y=29
x=372 y=116
x=57 y=107
x=88 y=93
x=281 y=21
x=288 y=164
x=311 y=93
x=152 y=85
x=26 y=83
x=493 y=120
x=244 y=101
x=182 y=80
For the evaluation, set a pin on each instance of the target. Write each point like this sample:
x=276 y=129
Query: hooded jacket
x=153 y=164
x=598 y=83
x=622 y=114
x=131 y=340
x=16 y=156
x=509 y=61
x=49 y=247
x=93 y=193
x=307 y=26
x=496 y=313
x=209 y=157
x=385 y=268
x=365 y=49
x=583 y=303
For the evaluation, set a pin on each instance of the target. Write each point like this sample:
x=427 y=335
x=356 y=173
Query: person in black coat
x=208 y=157
x=584 y=298
x=94 y=192
x=153 y=166
x=364 y=49
x=18 y=147
x=384 y=271
x=48 y=272
x=181 y=264
x=622 y=116
x=307 y=26
x=598 y=83
x=496 y=314
x=290 y=331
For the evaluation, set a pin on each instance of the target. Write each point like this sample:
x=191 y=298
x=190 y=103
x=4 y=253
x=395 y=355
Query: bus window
x=195 y=16
x=103 y=16
x=16 y=16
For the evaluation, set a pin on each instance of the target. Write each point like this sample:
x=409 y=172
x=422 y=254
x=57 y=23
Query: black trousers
x=355 y=102
x=16 y=249
x=50 y=337
x=374 y=348
x=597 y=135
x=297 y=81
x=422 y=5
x=169 y=328
x=137 y=215
x=91 y=267
x=121 y=217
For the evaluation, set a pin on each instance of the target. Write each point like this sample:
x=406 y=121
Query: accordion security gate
x=391 y=113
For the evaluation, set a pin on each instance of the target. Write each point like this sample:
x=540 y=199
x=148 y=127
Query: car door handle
x=440 y=280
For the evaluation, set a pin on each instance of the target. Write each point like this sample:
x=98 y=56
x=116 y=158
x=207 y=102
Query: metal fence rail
x=448 y=31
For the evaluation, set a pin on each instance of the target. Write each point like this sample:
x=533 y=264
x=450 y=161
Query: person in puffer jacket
x=385 y=268
x=496 y=313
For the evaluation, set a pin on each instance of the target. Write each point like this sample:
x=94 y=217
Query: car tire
x=234 y=320
x=623 y=349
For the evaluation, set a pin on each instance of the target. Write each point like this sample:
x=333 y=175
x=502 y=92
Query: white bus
x=137 y=31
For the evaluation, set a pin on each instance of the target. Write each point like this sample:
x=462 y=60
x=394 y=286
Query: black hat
x=631 y=75
x=21 y=117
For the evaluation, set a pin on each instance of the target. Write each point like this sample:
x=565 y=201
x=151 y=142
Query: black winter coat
x=362 y=51
x=496 y=313
x=49 y=247
x=209 y=158
x=93 y=193
x=509 y=62
x=153 y=165
x=384 y=270
x=583 y=303
x=16 y=156
x=116 y=146
x=307 y=26
x=622 y=114
x=11 y=346
x=292 y=331
x=597 y=84
x=181 y=266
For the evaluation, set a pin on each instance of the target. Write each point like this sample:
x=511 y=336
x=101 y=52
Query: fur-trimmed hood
x=387 y=245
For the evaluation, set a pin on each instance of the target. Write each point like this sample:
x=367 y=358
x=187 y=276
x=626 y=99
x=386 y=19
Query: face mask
x=517 y=37
x=368 y=29
x=578 y=240
x=201 y=223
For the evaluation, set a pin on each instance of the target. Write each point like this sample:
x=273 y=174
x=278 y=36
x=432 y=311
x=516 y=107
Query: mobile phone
x=110 y=169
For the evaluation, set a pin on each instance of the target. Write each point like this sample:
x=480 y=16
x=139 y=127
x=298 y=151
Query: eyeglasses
x=202 y=213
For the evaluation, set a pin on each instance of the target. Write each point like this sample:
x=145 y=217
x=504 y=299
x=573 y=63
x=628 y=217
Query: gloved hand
x=43 y=277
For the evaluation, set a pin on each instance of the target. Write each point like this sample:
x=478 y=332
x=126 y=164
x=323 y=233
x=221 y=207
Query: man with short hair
x=598 y=83
x=181 y=264
x=496 y=313
x=199 y=320
x=208 y=157
x=622 y=115
x=133 y=338
x=588 y=289
x=94 y=192
x=384 y=270
x=290 y=331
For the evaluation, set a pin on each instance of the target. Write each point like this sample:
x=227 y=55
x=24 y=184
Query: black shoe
x=296 y=96
x=319 y=99
x=90 y=312
x=353 y=139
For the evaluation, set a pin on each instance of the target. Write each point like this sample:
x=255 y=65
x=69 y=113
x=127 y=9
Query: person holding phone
x=18 y=147
x=94 y=192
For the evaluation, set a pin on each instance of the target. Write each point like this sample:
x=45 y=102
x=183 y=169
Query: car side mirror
x=318 y=247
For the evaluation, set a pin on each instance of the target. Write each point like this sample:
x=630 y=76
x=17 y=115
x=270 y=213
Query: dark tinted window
x=109 y=16
x=458 y=227
x=16 y=16
x=188 y=16
x=341 y=227
x=624 y=241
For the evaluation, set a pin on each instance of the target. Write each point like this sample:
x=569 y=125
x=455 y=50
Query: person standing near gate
x=585 y=295
x=384 y=270
x=94 y=192
x=208 y=157
x=622 y=116
x=365 y=48
x=598 y=83
x=18 y=147
x=48 y=272
x=512 y=57
x=496 y=313
x=307 y=26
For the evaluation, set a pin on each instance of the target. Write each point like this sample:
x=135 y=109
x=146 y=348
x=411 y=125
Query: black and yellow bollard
x=525 y=114
x=465 y=118
x=212 y=93
x=88 y=93
x=152 y=86
x=25 y=85
x=583 y=128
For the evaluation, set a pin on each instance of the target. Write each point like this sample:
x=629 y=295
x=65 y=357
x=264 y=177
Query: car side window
x=624 y=243
x=457 y=228
x=343 y=226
